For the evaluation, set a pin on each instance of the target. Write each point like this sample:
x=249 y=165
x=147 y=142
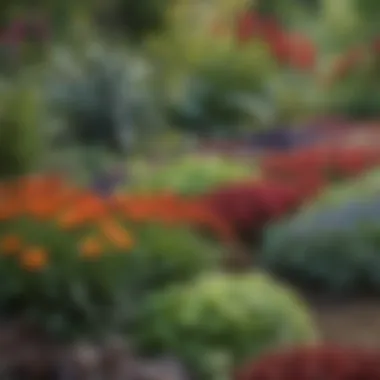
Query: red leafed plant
x=320 y=362
x=249 y=207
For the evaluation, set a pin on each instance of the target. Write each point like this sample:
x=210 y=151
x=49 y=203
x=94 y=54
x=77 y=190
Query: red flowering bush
x=318 y=362
x=249 y=207
x=292 y=49
x=320 y=163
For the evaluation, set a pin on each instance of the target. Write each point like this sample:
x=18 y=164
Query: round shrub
x=71 y=264
x=334 y=250
x=219 y=320
x=319 y=362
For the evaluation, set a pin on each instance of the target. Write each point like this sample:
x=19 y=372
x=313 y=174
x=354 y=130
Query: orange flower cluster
x=31 y=258
x=48 y=198
x=39 y=197
x=171 y=209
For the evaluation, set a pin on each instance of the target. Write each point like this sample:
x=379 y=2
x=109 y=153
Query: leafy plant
x=331 y=250
x=103 y=95
x=224 y=92
x=189 y=175
x=218 y=321
x=361 y=188
x=249 y=206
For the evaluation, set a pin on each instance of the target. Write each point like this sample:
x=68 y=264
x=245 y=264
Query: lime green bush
x=219 y=320
x=188 y=175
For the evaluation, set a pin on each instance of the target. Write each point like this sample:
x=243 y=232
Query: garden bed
x=351 y=322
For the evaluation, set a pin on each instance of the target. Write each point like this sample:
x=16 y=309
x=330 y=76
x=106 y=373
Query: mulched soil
x=351 y=322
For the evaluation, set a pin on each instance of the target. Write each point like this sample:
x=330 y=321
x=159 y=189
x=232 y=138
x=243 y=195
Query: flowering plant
x=326 y=361
x=73 y=263
x=322 y=162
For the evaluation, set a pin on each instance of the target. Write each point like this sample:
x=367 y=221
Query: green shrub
x=226 y=93
x=219 y=320
x=188 y=175
x=170 y=255
x=333 y=249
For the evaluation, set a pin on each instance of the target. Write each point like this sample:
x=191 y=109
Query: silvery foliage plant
x=101 y=90
x=101 y=99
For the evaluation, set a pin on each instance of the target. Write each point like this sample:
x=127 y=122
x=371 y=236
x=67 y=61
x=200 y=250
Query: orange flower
x=138 y=213
x=72 y=218
x=42 y=209
x=34 y=259
x=116 y=234
x=10 y=244
x=91 y=248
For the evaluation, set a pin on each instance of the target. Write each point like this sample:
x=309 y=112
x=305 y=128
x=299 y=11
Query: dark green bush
x=333 y=250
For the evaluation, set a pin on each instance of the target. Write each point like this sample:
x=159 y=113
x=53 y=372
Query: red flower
x=347 y=62
x=319 y=163
x=301 y=52
x=376 y=45
x=248 y=26
x=322 y=362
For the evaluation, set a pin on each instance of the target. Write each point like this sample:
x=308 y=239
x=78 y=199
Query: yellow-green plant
x=217 y=321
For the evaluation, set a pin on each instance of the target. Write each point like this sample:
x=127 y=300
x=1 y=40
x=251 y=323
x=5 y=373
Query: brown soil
x=354 y=323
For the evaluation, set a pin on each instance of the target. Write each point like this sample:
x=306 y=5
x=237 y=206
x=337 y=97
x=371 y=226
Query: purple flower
x=107 y=182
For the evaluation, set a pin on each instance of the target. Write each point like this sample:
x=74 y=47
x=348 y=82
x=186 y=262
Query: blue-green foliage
x=102 y=96
x=333 y=249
